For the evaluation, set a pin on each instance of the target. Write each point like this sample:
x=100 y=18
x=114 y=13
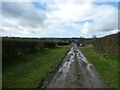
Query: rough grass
x=106 y=65
x=26 y=71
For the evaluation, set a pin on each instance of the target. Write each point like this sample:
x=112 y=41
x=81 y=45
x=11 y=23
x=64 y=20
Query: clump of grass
x=106 y=65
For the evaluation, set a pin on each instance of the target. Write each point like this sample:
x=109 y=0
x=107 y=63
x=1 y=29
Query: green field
x=27 y=71
x=106 y=65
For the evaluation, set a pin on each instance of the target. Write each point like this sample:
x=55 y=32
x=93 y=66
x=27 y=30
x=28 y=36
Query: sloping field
x=28 y=70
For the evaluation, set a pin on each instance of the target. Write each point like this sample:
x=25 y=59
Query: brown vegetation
x=108 y=44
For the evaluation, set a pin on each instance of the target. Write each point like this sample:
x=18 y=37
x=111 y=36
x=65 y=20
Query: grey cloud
x=27 y=14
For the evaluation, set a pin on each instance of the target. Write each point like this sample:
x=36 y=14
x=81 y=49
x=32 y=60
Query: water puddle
x=65 y=68
x=67 y=74
x=88 y=65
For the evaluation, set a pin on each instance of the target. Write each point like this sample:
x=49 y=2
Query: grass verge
x=26 y=71
x=106 y=65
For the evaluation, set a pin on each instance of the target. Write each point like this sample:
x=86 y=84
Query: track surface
x=76 y=72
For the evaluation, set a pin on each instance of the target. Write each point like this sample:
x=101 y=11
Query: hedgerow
x=14 y=47
x=17 y=46
x=108 y=44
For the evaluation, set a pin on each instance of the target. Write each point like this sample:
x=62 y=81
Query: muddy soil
x=76 y=72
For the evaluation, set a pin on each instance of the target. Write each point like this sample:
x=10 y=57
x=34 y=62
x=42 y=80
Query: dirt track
x=76 y=72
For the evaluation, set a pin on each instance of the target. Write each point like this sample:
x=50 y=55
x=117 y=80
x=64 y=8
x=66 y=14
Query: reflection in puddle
x=88 y=65
x=65 y=68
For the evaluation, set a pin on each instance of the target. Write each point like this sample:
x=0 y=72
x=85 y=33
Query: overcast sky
x=68 y=18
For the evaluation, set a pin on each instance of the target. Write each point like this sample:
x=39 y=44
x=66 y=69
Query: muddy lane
x=76 y=72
